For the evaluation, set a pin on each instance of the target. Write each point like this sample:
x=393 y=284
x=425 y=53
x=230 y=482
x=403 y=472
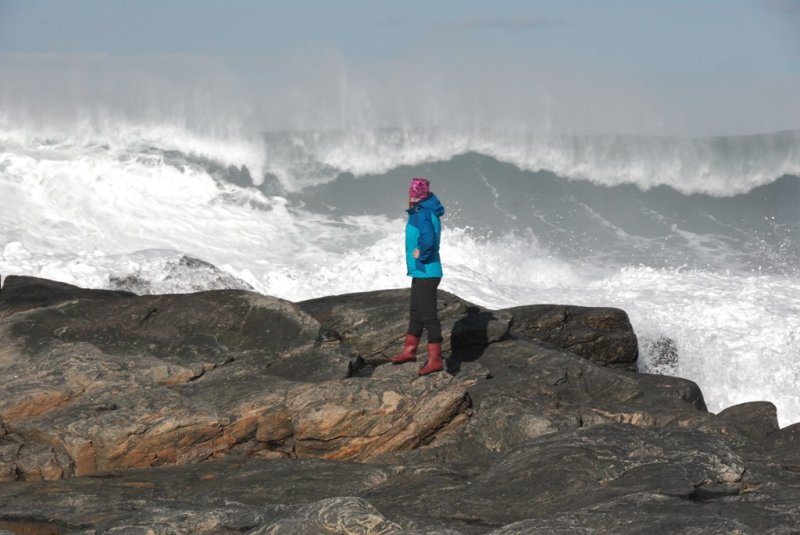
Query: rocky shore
x=227 y=411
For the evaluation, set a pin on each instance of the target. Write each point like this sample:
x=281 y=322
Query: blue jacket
x=423 y=232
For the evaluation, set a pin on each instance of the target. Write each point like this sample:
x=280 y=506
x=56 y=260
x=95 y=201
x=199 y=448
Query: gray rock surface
x=603 y=335
x=231 y=412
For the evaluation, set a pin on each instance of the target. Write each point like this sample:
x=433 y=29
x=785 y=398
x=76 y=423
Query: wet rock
x=176 y=379
x=603 y=335
x=30 y=459
x=568 y=471
x=231 y=412
x=772 y=454
x=757 y=420
x=187 y=273
x=24 y=293
x=233 y=495
x=375 y=323
x=334 y=516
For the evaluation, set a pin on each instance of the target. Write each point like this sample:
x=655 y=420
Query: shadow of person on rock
x=468 y=338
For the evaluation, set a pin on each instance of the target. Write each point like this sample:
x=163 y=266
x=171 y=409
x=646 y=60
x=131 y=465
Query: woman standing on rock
x=423 y=234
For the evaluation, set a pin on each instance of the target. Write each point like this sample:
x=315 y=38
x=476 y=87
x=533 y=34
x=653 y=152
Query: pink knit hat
x=419 y=188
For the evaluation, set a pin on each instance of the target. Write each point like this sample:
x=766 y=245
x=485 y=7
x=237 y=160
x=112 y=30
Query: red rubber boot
x=409 y=353
x=434 y=363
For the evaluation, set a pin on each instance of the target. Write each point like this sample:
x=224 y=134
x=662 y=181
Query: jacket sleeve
x=427 y=238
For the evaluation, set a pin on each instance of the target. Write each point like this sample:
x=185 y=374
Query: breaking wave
x=695 y=238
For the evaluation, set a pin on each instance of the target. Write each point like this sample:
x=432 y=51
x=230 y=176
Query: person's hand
x=416 y=253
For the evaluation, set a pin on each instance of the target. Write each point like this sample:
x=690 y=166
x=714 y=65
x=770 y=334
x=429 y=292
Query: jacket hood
x=431 y=203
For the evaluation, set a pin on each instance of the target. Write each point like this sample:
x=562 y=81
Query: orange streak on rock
x=37 y=404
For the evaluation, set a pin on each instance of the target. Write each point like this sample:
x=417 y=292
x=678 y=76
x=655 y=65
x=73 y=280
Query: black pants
x=422 y=311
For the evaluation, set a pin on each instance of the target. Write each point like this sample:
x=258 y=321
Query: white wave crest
x=129 y=141
x=720 y=166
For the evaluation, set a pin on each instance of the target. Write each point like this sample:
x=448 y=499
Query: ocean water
x=696 y=238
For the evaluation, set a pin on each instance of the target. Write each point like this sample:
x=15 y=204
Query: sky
x=685 y=67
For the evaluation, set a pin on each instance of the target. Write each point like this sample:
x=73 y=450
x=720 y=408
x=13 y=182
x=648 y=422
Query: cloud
x=515 y=24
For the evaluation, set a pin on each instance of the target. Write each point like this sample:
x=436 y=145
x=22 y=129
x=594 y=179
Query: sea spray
x=715 y=272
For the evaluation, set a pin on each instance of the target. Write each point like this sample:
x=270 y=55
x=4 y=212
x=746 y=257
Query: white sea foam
x=88 y=214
